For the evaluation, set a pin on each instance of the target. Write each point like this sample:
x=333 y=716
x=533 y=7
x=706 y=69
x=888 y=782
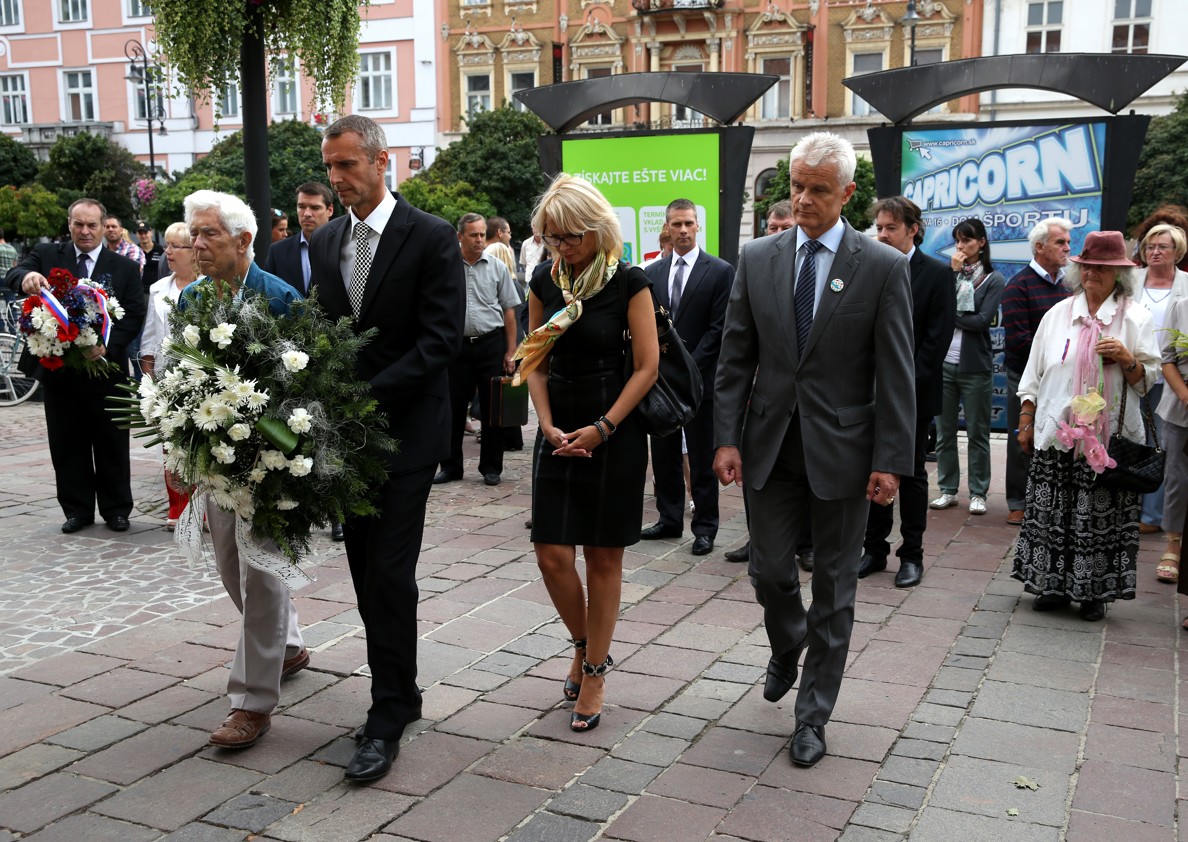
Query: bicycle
x=15 y=387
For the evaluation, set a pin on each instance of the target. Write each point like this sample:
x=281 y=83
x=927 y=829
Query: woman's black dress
x=595 y=501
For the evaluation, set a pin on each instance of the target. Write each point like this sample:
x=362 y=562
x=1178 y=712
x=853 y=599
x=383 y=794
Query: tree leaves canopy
x=1162 y=176
x=31 y=212
x=449 y=201
x=856 y=211
x=91 y=165
x=18 y=164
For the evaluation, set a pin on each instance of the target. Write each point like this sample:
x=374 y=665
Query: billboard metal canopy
x=1111 y=82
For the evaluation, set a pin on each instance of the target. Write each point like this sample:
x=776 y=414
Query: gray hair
x=1042 y=230
x=781 y=210
x=468 y=218
x=1124 y=280
x=826 y=148
x=234 y=214
x=372 y=137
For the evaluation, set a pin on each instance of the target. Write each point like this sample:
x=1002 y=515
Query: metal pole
x=150 y=111
x=255 y=131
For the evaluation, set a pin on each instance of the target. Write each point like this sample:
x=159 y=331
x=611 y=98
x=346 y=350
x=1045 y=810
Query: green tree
x=168 y=207
x=498 y=155
x=449 y=201
x=856 y=211
x=18 y=164
x=1162 y=176
x=90 y=165
x=31 y=212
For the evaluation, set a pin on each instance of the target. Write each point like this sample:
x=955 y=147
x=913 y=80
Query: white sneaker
x=943 y=502
x=977 y=506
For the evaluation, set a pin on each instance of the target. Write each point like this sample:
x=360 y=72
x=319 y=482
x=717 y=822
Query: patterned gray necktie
x=362 y=267
x=678 y=284
x=805 y=295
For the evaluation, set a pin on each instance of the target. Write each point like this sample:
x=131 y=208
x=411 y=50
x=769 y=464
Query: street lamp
x=135 y=52
x=910 y=19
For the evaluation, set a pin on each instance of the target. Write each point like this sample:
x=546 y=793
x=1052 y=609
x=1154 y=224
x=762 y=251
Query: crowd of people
x=824 y=355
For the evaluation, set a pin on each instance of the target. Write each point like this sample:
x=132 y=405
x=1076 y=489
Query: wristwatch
x=1132 y=366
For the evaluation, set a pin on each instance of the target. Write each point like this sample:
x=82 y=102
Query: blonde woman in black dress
x=591 y=454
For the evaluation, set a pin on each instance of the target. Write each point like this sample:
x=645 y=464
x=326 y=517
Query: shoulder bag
x=1140 y=465
x=673 y=400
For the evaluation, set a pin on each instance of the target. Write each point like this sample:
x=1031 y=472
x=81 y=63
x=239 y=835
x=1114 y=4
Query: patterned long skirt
x=1079 y=538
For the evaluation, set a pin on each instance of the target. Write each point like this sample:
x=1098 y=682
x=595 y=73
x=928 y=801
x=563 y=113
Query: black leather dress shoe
x=659 y=530
x=372 y=760
x=492 y=478
x=781 y=675
x=73 y=524
x=702 y=545
x=805 y=560
x=743 y=553
x=1051 y=602
x=118 y=523
x=446 y=476
x=909 y=575
x=871 y=564
x=808 y=744
x=336 y=533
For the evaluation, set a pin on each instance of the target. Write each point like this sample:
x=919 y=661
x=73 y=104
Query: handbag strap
x=1149 y=434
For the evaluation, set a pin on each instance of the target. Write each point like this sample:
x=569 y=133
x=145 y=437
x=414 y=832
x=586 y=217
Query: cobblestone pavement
x=113 y=663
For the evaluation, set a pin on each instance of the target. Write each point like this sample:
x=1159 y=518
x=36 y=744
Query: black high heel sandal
x=572 y=688
x=579 y=721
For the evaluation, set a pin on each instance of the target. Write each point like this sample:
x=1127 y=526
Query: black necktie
x=806 y=290
x=83 y=271
x=678 y=283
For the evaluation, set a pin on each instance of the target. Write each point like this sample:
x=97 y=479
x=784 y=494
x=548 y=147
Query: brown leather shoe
x=295 y=664
x=1015 y=518
x=1149 y=528
x=241 y=729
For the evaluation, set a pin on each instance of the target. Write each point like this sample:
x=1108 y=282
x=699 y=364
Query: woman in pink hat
x=1079 y=540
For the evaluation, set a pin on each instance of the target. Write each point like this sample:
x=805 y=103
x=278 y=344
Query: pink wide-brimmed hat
x=1104 y=248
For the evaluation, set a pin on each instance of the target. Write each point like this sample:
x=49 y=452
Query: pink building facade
x=65 y=69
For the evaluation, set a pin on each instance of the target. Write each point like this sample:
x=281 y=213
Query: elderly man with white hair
x=223 y=229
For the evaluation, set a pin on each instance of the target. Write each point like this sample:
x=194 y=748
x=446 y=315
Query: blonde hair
x=1177 y=237
x=181 y=231
x=574 y=206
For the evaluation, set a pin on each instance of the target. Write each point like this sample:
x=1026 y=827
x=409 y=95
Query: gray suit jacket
x=854 y=389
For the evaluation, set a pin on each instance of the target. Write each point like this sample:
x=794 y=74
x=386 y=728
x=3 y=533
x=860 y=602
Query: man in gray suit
x=820 y=321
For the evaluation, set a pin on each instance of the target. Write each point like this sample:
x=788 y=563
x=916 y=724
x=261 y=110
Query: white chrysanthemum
x=300 y=421
x=300 y=466
x=212 y=414
x=221 y=334
x=239 y=432
x=175 y=459
x=257 y=475
x=224 y=452
x=227 y=378
x=243 y=390
x=114 y=309
x=49 y=328
x=273 y=460
x=295 y=360
x=285 y=505
x=192 y=335
x=87 y=338
x=197 y=377
x=257 y=400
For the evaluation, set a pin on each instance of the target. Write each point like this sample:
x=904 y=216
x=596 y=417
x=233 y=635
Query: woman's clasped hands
x=578 y=443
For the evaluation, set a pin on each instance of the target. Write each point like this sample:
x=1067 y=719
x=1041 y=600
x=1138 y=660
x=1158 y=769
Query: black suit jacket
x=416 y=299
x=934 y=312
x=702 y=308
x=120 y=275
x=284 y=261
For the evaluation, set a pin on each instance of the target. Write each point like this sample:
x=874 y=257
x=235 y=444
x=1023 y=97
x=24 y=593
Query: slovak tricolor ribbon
x=54 y=306
x=105 y=320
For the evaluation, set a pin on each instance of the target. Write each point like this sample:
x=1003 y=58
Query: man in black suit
x=934 y=310
x=288 y=259
x=89 y=452
x=694 y=286
x=390 y=266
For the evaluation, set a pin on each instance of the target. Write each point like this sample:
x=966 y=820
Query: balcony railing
x=652 y=7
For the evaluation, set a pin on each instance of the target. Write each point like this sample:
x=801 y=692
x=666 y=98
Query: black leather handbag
x=1140 y=465
x=673 y=400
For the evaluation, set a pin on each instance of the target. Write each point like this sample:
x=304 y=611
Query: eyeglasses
x=568 y=239
x=169 y=246
x=1158 y=247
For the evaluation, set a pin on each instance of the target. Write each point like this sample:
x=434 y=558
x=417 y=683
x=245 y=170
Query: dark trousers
x=473 y=369
x=88 y=450
x=913 y=509
x=382 y=553
x=777 y=512
x=669 y=474
x=805 y=543
x=1017 y=462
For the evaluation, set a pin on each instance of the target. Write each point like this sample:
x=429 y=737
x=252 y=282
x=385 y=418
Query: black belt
x=476 y=339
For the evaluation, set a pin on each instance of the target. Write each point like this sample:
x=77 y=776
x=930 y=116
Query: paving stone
x=199 y=832
x=1042 y=748
x=13 y=692
x=142 y=754
x=1053 y=642
x=430 y=761
x=93 y=828
x=343 y=814
x=856 y=833
x=97 y=733
x=615 y=724
x=1037 y=706
x=731 y=750
x=834 y=777
x=928 y=731
x=907 y=770
x=588 y=802
x=179 y=794
x=1140 y=795
x=1092 y=826
x=985 y=787
x=538 y=763
x=118 y=687
x=620 y=775
x=651 y=819
x=536 y=646
x=289 y=740
x=250 y=812
x=170 y=702
x=345 y=703
x=738 y=673
x=1134 y=682
x=767 y=813
x=969 y=662
x=896 y=795
x=884 y=817
x=1042 y=671
x=670 y=725
x=1132 y=713
x=49 y=798
x=940 y=825
x=668 y=661
x=922 y=749
x=67 y=668
x=493 y=808
x=528 y=692
x=486 y=721
x=966 y=645
x=701 y=786
x=949 y=698
x=32 y=762
x=555 y=829
x=301 y=782
x=644 y=692
x=475 y=680
x=37 y=719
x=652 y=749
x=183 y=660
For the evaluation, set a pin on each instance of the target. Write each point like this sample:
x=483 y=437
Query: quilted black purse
x=673 y=400
x=1140 y=465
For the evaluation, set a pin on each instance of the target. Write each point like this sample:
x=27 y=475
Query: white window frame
x=511 y=89
x=138 y=9
x=1043 y=29
x=682 y=115
x=67 y=114
x=22 y=94
x=781 y=92
x=289 y=63
x=365 y=81
x=137 y=103
x=12 y=16
x=858 y=106
x=230 y=116
x=487 y=73
x=1130 y=21
x=390 y=173
x=79 y=12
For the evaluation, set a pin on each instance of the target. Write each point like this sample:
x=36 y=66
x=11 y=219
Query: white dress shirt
x=690 y=258
x=92 y=255
x=156 y=323
x=377 y=220
x=831 y=240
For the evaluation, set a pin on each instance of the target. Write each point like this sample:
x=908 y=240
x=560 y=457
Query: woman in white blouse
x=1079 y=540
x=163 y=297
